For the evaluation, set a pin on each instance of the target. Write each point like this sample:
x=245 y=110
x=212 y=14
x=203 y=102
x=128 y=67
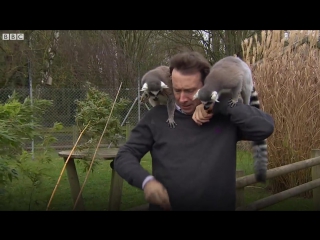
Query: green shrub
x=19 y=124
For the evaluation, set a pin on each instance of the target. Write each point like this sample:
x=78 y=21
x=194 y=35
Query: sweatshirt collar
x=179 y=108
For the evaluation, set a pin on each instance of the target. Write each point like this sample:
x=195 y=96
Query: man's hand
x=201 y=115
x=155 y=193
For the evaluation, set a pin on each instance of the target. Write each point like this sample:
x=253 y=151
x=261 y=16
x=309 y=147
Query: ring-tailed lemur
x=155 y=87
x=233 y=74
x=228 y=73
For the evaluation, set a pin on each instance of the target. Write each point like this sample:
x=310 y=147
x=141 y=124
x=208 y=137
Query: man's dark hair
x=190 y=62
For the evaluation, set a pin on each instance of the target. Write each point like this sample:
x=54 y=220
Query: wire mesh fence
x=63 y=109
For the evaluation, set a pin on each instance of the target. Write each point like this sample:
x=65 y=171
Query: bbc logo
x=12 y=36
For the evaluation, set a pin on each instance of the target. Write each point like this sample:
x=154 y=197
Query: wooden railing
x=313 y=162
x=244 y=181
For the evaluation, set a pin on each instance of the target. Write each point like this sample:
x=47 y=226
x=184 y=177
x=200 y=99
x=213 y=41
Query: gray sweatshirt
x=196 y=164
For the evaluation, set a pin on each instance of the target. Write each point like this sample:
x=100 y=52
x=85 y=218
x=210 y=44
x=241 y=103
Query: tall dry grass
x=288 y=83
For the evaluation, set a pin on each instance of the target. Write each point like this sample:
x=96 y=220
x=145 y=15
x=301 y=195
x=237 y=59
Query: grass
x=21 y=195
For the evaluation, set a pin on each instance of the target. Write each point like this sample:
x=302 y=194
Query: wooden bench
x=116 y=180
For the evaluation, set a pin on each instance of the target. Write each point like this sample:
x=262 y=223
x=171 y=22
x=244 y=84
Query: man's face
x=184 y=88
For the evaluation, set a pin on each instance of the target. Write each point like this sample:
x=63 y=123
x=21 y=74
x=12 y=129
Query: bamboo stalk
x=75 y=204
x=64 y=166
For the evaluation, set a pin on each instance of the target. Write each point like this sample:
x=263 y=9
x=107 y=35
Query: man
x=194 y=164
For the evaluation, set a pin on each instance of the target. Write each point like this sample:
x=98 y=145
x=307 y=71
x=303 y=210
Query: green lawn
x=21 y=195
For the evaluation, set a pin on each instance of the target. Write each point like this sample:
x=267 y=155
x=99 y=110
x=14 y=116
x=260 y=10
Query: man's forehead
x=186 y=81
x=186 y=72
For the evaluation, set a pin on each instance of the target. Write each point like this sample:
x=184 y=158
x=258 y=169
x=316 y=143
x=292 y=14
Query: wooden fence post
x=315 y=173
x=239 y=191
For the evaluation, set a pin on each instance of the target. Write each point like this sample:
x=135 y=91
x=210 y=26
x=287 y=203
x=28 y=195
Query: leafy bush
x=95 y=110
x=19 y=124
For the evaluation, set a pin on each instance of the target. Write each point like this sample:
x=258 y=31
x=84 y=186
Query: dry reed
x=288 y=84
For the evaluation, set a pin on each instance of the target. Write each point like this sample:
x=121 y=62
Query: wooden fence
x=313 y=162
x=244 y=181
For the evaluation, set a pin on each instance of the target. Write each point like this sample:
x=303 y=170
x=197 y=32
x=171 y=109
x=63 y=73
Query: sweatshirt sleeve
x=253 y=124
x=127 y=162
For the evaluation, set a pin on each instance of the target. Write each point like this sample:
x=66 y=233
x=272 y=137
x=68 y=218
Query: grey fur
x=156 y=87
x=231 y=74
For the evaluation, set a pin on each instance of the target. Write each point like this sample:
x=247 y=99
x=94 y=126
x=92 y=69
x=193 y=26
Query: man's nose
x=183 y=97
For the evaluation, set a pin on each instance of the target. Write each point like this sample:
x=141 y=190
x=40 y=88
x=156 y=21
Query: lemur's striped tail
x=260 y=152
